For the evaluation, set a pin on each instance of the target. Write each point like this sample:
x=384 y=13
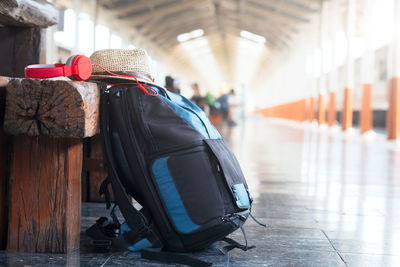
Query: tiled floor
x=328 y=198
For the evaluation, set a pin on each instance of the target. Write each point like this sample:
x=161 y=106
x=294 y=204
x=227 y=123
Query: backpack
x=162 y=150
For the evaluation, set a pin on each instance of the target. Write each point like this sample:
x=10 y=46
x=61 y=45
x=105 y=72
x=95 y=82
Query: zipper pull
x=248 y=194
x=218 y=168
x=235 y=193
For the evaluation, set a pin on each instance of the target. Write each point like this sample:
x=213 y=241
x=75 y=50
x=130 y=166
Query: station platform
x=328 y=198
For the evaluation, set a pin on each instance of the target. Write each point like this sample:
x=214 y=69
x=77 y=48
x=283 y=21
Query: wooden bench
x=48 y=120
x=41 y=158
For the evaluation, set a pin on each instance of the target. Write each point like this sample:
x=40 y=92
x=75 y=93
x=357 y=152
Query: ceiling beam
x=135 y=6
x=287 y=8
x=276 y=7
x=180 y=22
x=253 y=25
x=173 y=18
x=268 y=13
x=159 y=12
x=303 y=6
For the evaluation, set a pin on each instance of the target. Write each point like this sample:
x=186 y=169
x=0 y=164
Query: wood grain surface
x=56 y=108
x=27 y=13
x=45 y=194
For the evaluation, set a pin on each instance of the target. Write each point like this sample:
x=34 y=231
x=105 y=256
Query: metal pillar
x=321 y=84
x=367 y=70
x=393 y=113
x=333 y=17
x=347 y=113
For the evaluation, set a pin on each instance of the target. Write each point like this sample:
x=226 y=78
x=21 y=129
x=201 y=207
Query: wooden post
x=22 y=43
x=20 y=47
x=332 y=110
x=366 y=110
x=45 y=204
x=321 y=109
x=26 y=13
x=3 y=191
x=45 y=171
x=4 y=140
x=347 y=113
x=393 y=113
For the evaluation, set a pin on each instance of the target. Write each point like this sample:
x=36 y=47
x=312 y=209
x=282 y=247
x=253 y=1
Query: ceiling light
x=183 y=37
x=189 y=35
x=196 y=33
x=253 y=37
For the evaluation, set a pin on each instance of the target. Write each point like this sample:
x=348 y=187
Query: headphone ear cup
x=69 y=63
x=69 y=60
x=81 y=67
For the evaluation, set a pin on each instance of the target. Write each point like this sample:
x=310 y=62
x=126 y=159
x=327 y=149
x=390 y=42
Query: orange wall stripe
x=296 y=111
x=321 y=109
x=393 y=113
x=332 y=109
x=366 y=109
x=347 y=113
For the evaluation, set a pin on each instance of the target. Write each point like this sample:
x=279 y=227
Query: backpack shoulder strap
x=134 y=218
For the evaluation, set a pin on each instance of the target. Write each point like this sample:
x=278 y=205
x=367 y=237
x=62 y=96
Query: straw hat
x=121 y=62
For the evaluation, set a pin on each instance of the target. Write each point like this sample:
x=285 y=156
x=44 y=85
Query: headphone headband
x=78 y=67
x=41 y=71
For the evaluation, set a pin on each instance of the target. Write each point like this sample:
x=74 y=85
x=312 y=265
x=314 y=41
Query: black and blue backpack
x=162 y=150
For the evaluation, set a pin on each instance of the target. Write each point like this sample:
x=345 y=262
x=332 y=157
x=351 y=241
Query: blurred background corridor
x=332 y=62
x=313 y=114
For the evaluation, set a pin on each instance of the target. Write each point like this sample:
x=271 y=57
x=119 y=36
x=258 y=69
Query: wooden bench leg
x=45 y=194
x=3 y=190
x=4 y=144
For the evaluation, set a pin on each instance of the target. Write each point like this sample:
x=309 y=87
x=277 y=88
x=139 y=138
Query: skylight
x=190 y=35
x=253 y=37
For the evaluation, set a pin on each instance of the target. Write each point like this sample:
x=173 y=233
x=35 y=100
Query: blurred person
x=198 y=99
x=225 y=105
x=210 y=100
x=170 y=85
x=177 y=86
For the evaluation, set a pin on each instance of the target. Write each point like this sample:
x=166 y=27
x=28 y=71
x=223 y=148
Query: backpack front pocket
x=187 y=184
x=231 y=172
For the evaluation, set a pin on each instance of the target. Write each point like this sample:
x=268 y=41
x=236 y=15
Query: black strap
x=104 y=191
x=114 y=216
x=104 y=234
x=132 y=216
x=169 y=257
x=234 y=244
x=258 y=222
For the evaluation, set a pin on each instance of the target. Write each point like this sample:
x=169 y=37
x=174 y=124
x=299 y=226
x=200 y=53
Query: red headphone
x=77 y=68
